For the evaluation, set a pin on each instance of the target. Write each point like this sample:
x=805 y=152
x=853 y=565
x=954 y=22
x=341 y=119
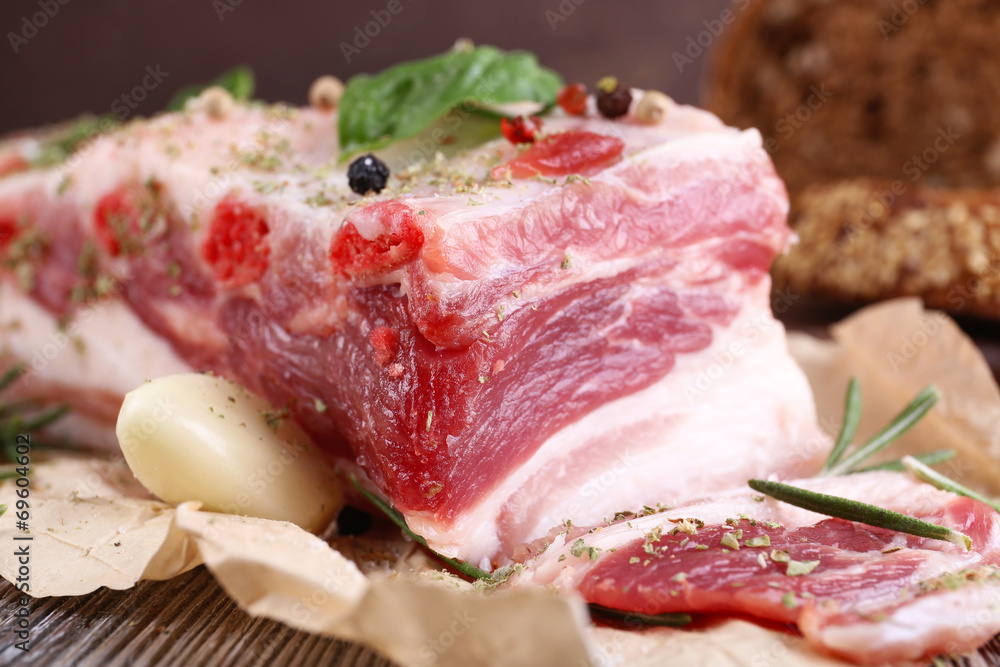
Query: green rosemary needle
x=853 y=510
x=630 y=617
x=23 y=417
x=896 y=465
x=909 y=416
x=924 y=473
x=11 y=374
x=852 y=417
x=397 y=518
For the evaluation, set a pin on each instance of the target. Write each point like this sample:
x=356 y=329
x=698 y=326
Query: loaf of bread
x=858 y=242
x=881 y=116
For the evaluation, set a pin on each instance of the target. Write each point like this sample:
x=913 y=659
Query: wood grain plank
x=188 y=620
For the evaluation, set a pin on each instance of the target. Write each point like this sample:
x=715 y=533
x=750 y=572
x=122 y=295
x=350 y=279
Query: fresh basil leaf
x=239 y=81
x=404 y=100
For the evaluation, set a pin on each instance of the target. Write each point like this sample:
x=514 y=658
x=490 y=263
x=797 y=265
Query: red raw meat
x=867 y=594
x=499 y=356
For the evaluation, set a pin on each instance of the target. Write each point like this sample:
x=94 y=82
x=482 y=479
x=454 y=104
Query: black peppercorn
x=613 y=99
x=367 y=174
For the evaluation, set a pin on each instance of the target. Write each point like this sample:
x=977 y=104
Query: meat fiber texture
x=870 y=595
x=501 y=354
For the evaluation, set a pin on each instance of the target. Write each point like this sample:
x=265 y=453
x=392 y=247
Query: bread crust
x=865 y=88
x=943 y=246
x=881 y=118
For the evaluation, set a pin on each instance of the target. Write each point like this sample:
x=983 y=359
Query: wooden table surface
x=189 y=620
x=186 y=621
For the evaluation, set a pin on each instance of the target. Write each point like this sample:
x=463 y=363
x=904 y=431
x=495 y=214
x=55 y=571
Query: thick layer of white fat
x=105 y=348
x=957 y=621
x=199 y=161
x=729 y=152
x=689 y=434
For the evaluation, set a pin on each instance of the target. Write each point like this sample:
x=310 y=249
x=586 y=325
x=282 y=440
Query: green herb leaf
x=580 y=547
x=239 y=81
x=404 y=100
x=11 y=375
x=23 y=417
x=800 y=567
x=397 y=518
x=62 y=143
x=852 y=417
x=853 y=510
x=909 y=416
x=45 y=418
x=632 y=617
x=930 y=476
x=930 y=459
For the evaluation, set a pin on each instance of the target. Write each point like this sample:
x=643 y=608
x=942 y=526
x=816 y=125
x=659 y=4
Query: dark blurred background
x=64 y=57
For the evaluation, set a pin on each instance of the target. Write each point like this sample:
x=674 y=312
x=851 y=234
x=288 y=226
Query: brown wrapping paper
x=93 y=525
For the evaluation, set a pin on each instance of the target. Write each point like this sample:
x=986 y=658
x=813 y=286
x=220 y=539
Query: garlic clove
x=201 y=437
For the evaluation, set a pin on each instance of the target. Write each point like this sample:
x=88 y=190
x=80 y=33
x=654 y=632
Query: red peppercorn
x=235 y=245
x=520 y=130
x=573 y=99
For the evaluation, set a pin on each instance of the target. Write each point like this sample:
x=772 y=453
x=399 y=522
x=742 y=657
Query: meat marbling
x=872 y=595
x=499 y=355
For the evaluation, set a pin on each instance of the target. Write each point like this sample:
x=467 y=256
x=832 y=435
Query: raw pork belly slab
x=867 y=594
x=501 y=353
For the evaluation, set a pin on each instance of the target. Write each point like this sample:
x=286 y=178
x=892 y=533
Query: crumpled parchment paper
x=93 y=525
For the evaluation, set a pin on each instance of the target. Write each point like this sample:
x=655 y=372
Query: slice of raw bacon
x=499 y=355
x=867 y=594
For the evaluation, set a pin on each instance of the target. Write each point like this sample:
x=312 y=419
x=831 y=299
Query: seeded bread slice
x=881 y=118
x=866 y=88
x=860 y=241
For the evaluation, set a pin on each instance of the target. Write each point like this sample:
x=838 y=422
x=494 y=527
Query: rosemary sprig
x=23 y=417
x=922 y=472
x=10 y=375
x=664 y=620
x=909 y=416
x=853 y=510
x=852 y=417
x=394 y=515
x=896 y=465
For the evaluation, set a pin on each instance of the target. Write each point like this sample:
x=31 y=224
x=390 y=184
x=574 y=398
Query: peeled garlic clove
x=200 y=437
